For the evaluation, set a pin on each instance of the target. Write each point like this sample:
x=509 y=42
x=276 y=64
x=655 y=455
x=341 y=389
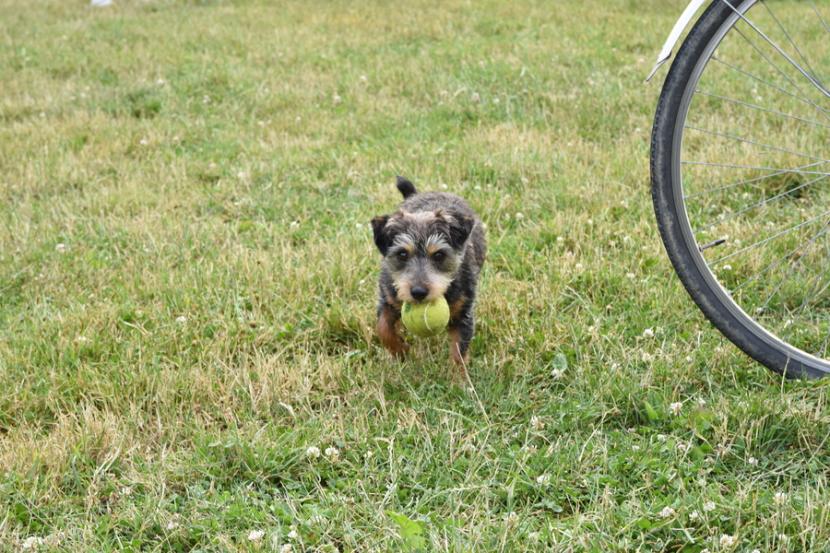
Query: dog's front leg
x=461 y=334
x=389 y=319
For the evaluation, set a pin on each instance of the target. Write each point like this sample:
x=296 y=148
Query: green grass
x=187 y=289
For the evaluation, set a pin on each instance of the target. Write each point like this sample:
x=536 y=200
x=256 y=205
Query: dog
x=433 y=246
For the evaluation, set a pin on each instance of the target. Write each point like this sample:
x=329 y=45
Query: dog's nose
x=419 y=292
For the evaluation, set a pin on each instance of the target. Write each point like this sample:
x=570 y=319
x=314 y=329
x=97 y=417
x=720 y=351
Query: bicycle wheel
x=740 y=177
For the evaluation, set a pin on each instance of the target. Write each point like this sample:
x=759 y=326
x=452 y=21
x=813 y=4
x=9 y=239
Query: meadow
x=188 y=288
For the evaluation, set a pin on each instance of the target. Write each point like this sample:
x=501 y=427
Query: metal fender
x=674 y=36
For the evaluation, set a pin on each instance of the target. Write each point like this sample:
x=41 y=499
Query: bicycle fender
x=674 y=36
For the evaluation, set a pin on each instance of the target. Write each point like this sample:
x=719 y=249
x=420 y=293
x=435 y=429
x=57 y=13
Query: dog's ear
x=460 y=228
x=383 y=239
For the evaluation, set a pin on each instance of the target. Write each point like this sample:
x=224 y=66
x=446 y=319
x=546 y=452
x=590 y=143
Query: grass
x=187 y=288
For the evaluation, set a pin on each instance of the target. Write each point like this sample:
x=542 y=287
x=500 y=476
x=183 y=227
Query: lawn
x=188 y=285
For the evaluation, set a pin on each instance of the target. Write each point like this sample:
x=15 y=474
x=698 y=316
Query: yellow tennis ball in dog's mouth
x=426 y=319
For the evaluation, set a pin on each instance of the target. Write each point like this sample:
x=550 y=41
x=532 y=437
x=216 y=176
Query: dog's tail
x=406 y=187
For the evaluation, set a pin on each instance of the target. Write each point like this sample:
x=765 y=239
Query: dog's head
x=422 y=250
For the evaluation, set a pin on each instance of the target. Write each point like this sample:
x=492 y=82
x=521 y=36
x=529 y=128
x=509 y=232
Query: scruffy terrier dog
x=432 y=246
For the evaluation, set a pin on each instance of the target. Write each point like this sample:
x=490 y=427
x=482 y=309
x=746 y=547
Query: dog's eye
x=438 y=257
x=403 y=255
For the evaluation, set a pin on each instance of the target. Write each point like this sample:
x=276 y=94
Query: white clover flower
x=694 y=515
x=676 y=407
x=726 y=540
x=512 y=517
x=286 y=548
x=468 y=447
x=294 y=225
x=337 y=99
x=556 y=374
x=32 y=542
x=172 y=525
x=536 y=423
x=529 y=449
x=181 y=319
x=534 y=536
x=364 y=79
x=255 y=535
x=313 y=452
x=60 y=248
x=475 y=97
x=648 y=333
x=780 y=498
x=519 y=215
x=143 y=141
x=752 y=461
x=709 y=506
x=332 y=453
x=543 y=479
x=292 y=535
x=667 y=512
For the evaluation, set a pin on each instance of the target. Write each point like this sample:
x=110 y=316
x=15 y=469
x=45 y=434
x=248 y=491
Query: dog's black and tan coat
x=432 y=246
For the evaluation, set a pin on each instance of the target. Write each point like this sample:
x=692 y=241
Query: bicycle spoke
x=820 y=18
x=792 y=42
x=779 y=70
x=757 y=167
x=779 y=50
x=764 y=202
x=770 y=239
x=798 y=263
x=773 y=86
x=824 y=230
x=751 y=181
x=762 y=108
x=754 y=143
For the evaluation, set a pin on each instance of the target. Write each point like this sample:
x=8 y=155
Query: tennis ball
x=426 y=319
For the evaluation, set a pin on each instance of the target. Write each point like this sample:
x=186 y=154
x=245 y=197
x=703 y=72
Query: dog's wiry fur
x=432 y=246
